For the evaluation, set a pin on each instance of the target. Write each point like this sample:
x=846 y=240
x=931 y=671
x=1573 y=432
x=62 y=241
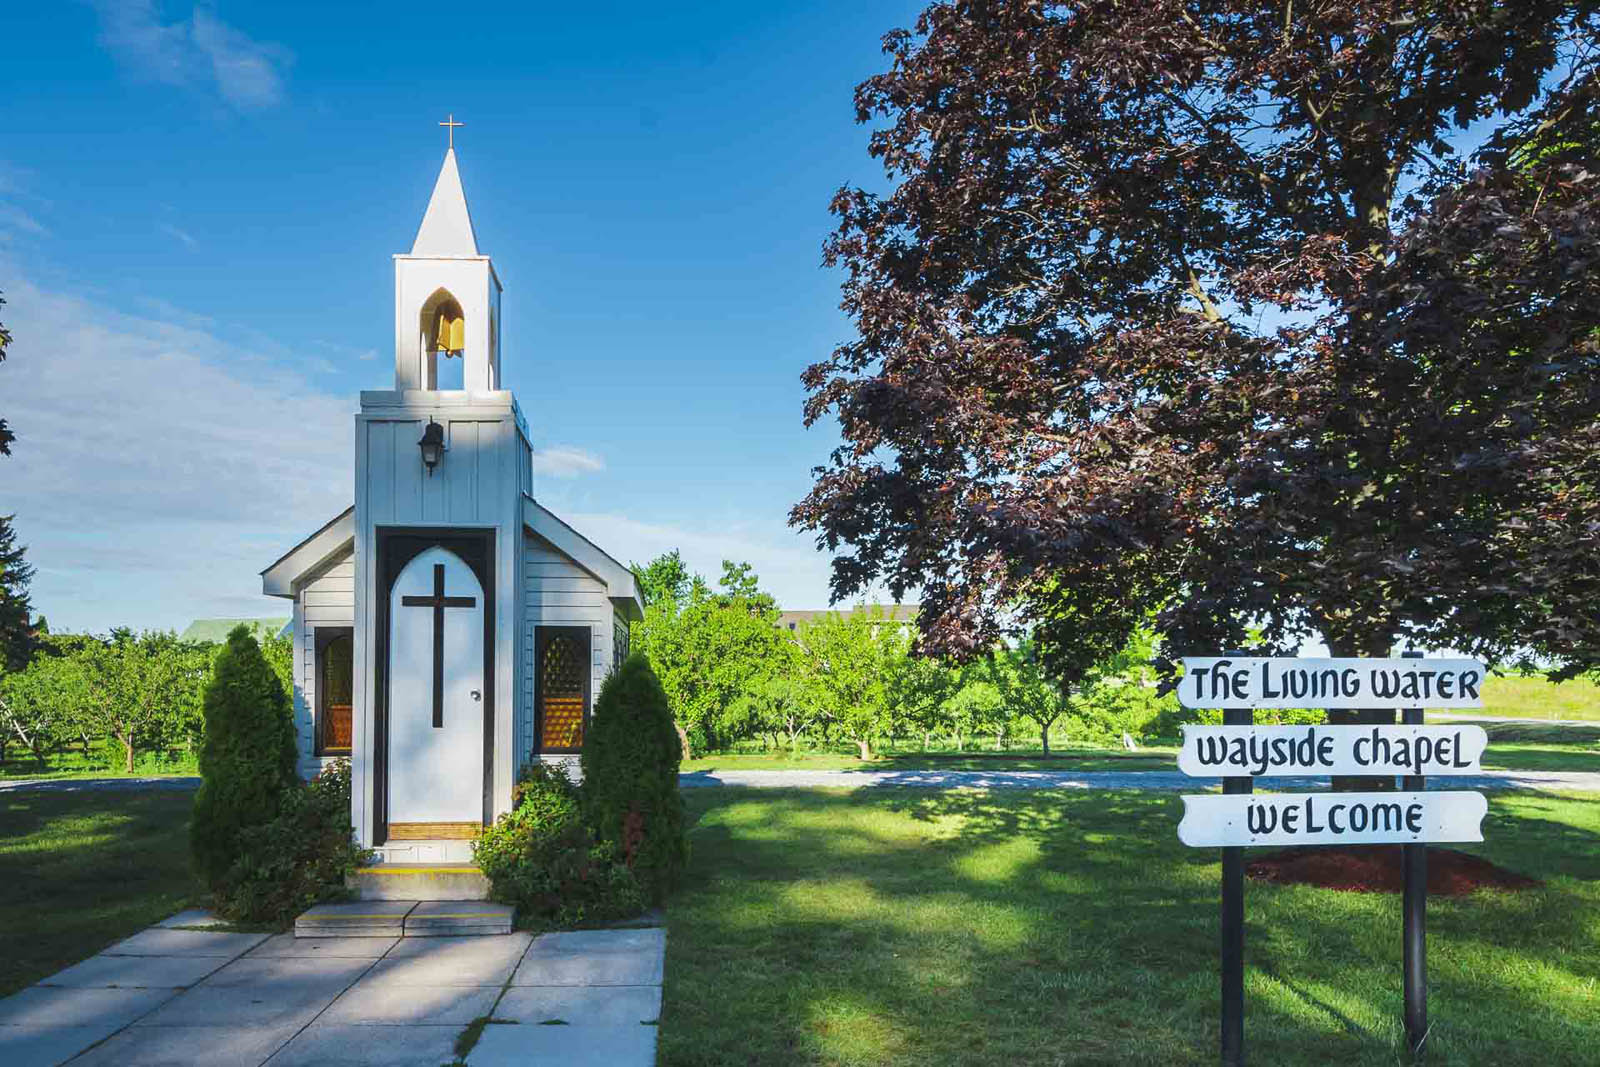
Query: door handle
x=476 y=695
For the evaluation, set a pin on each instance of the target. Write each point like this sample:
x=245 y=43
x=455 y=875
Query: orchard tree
x=920 y=687
x=706 y=647
x=1260 y=314
x=141 y=690
x=779 y=702
x=852 y=658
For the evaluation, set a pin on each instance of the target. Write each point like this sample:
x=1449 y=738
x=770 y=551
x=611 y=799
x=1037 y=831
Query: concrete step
x=356 y=918
x=456 y=918
x=419 y=881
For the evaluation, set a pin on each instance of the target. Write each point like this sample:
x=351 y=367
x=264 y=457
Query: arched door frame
x=397 y=546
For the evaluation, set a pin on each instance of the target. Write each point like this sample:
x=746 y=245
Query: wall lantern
x=432 y=445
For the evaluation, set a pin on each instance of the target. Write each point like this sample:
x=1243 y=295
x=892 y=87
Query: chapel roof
x=447 y=225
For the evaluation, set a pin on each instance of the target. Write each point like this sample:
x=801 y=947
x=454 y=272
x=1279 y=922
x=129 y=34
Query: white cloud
x=566 y=461
x=199 y=51
x=790 y=568
x=13 y=218
x=182 y=235
x=158 y=468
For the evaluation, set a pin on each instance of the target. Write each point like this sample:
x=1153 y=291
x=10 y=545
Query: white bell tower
x=446 y=296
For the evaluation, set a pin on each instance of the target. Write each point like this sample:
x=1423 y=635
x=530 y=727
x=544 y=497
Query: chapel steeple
x=447 y=297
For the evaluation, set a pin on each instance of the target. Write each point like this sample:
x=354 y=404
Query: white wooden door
x=436 y=646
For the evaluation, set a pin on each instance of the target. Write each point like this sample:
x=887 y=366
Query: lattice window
x=561 y=692
x=619 y=642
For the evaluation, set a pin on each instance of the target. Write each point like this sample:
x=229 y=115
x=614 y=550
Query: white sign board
x=1213 y=820
x=1255 y=751
x=1249 y=682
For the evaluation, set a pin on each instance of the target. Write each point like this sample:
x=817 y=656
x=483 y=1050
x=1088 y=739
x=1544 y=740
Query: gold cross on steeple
x=450 y=121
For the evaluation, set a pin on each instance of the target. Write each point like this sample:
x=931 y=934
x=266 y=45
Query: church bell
x=449 y=335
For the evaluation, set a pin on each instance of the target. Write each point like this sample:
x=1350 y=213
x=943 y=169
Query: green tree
x=1028 y=691
x=974 y=706
x=247 y=755
x=707 y=648
x=630 y=761
x=18 y=635
x=779 y=702
x=140 y=690
x=666 y=580
x=36 y=705
x=920 y=687
x=852 y=658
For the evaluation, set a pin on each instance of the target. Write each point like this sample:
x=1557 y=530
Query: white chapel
x=447 y=627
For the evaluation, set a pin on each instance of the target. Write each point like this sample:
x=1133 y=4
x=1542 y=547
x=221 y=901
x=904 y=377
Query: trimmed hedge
x=247 y=755
x=630 y=776
x=541 y=856
x=299 y=858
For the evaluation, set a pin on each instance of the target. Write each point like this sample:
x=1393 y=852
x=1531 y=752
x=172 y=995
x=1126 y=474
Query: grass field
x=1531 y=697
x=102 y=761
x=908 y=927
x=81 y=870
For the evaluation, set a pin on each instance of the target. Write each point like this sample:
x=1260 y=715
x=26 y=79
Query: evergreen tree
x=630 y=776
x=247 y=755
x=16 y=630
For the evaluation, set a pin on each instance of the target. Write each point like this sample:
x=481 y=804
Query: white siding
x=327 y=598
x=558 y=592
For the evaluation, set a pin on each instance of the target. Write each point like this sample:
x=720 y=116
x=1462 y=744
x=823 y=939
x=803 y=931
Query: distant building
x=904 y=614
x=216 y=630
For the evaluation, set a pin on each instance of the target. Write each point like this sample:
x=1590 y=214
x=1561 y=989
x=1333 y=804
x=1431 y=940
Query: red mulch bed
x=1376 y=869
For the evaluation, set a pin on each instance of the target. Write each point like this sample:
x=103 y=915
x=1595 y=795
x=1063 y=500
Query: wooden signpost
x=1238 y=752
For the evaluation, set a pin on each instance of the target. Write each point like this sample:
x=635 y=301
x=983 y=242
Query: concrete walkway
x=182 y=996
x=1157 y=780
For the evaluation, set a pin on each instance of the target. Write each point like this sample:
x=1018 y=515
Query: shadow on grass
x=886 y=926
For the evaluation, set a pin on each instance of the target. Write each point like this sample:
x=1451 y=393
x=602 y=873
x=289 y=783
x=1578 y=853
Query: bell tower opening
x=447 y=300
x=442 y=331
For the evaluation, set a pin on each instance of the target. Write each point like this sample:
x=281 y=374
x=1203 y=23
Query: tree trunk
x=927 y=739
x=1353 y=717
x=1044 y=738
x=865 y=749
x=127 y=748
x=683 y=738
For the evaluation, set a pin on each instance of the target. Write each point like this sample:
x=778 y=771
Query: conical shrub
x=630 y=776
x=247 y=754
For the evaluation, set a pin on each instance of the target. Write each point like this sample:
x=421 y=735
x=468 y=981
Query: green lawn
x=81 y=870
x=102 y=761
x=1532 y=697
x=909 y=927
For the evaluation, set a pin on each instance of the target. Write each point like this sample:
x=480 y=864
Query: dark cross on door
x=438 y=602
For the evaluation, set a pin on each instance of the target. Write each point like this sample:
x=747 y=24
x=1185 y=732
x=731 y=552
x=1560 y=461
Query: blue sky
x=198 y=205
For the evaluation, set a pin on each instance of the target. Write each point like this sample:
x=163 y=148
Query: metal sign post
x=1414 y=962
x=1233 y=917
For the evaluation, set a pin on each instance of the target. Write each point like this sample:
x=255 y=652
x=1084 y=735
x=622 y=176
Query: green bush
x=630 y=776
x=297 y=859
x=247 y=755
x=541 y=856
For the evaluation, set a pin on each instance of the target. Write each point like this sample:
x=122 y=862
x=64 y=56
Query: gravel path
x=98 y=785
x=1163 y=780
